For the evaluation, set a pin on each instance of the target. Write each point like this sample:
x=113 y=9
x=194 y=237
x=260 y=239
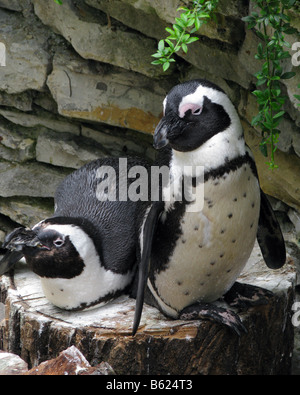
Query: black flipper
x=269 y=235
x=211 y=312
x=9 y=260
x=148 y=233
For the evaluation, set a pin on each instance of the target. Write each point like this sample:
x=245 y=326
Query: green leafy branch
x=271 y=51
x=189 y=22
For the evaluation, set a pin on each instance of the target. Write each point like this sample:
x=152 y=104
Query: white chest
x=94 y=287
x=214 y=245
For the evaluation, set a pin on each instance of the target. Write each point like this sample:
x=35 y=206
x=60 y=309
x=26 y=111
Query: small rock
x=11 y=364
x=103 y=369
x=295 y=218
x=70 y=362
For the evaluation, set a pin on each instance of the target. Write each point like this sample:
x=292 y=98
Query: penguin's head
x=54 y=248
x=194 y=112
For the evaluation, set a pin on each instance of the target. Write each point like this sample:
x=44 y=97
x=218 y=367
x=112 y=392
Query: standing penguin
x=192 y=257
x=87 y=253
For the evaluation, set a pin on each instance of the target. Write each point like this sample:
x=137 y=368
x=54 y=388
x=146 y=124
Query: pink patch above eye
x=195 y=109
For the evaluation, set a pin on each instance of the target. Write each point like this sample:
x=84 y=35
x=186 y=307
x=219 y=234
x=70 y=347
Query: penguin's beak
x=169 y=128
x=20 y=238
x=160 y=135
x=14 y=243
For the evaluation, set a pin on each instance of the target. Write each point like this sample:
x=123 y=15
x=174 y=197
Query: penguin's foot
x=211 y=312
x=242 y=296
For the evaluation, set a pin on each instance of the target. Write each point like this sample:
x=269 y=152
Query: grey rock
x=2 y=236
x=22 y=101
x=246 y=55
x=26 y=211
x=292 y=89
x=15 y=145
x=13 y=5
x=136 y=15
x=23 y=6
x=292 y=83
x=295 y=218
x=26 y=153
x=221 y=62
x=42 y=118
x=113 y=143
x=11 y=364
x=45 y=101
x=63 y=149
x=116 y=97
x=27 y=60
x=288 y=136
x=99 y=42
x=32 y=179
x=296 y=142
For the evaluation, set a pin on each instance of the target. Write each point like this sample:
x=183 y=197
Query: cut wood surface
x=36 y=330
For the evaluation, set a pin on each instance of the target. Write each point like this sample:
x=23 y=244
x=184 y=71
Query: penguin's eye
x=197 y=111
x=58 y=243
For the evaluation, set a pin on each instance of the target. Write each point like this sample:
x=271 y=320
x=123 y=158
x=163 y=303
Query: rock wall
x=78 y=84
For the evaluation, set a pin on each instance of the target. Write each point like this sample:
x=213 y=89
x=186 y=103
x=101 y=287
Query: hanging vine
x=271 y=51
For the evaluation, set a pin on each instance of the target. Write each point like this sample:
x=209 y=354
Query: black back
x=113 y=225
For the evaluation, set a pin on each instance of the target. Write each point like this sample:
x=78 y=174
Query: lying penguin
x=191 y=258
x=87 y=253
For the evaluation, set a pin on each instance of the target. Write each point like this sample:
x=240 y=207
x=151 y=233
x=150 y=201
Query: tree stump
x=36 y=330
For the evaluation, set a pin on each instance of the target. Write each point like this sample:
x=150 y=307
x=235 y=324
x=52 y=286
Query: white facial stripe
x=81 y=241
x=38 y=224
x=183 y=108
x=214 y=95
